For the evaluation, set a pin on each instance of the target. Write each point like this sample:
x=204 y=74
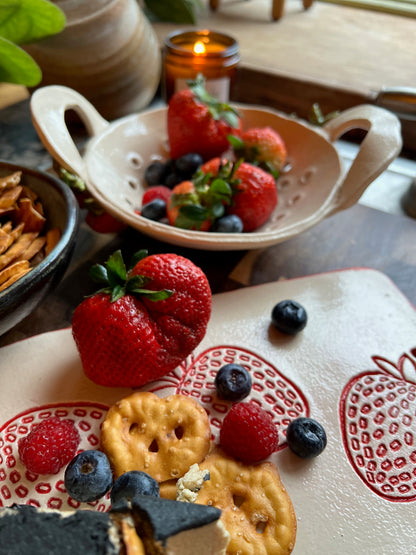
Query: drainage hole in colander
x=135 y=160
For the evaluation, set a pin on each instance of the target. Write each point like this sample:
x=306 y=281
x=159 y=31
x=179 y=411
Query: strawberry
x=184 y=209
x=144 y=322
x=378 y=415
x=104 y=222
x=254 y=191
x=213 y=166
x=198 y=122
x=196 y=204
x=262 y=146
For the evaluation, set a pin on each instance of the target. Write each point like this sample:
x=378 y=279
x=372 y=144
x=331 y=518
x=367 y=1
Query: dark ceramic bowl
x=61 y=210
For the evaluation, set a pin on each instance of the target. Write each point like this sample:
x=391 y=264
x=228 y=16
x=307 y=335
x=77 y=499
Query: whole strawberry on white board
x=378 y=424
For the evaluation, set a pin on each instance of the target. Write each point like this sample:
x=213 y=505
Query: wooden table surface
x=338 y=56
x=338 y=45
x=357 y=237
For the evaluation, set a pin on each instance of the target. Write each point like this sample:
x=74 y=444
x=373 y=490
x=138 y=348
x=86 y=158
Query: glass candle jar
x=190 y=53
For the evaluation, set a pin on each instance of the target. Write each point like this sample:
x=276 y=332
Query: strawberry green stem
x=117 y=281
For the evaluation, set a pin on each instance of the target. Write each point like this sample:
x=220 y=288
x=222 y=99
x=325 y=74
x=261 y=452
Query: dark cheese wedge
x=167 y=526
x=150 y=526
x=25 y=530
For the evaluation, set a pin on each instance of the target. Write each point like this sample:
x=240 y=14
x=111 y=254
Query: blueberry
x=233 y=382
x=154 y=210
x=155 y=173
x=88 y=476
x=306 y=437
x=170 y=166
x=289 y=317
x=133 y=483
x=231 y=223
x=172 y=179
x=187 y=164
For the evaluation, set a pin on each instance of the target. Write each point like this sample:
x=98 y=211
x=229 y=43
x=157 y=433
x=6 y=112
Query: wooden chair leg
x=277 y=9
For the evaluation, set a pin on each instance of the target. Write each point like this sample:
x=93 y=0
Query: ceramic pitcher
x=108 y=52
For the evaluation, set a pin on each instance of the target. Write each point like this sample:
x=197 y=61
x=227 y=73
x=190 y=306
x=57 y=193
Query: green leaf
x=194 y=212
x=16 y=66
x=231 y=118
x=181 y=199
x=114 y=275
x=98 y=273
x=220 y=187
x=271 y=169
x=316 y=116
x=218 y=110
x=174 y=11
x=137 y=256
x=218 y=210
x=116 y=269
x=153 y=295
x=201 y=180
x=137 y=282
x=235 y=142
x=74 y=181
x=26 y=21
x=191 y=216
x=117 y=292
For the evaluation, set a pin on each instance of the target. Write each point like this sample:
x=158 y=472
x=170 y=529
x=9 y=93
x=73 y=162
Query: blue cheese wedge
x=190 y=484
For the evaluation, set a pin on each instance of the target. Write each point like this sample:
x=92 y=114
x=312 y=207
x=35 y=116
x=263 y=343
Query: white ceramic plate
x=313 y=187
x=361 y=330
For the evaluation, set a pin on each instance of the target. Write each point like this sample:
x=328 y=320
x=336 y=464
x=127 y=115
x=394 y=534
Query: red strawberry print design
x=271 y=389
x=19 y=485
x=378 y=416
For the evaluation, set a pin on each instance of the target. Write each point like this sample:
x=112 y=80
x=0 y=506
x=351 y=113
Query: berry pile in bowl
x=269 y=176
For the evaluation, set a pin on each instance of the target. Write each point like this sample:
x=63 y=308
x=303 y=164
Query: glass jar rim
x=176 y=39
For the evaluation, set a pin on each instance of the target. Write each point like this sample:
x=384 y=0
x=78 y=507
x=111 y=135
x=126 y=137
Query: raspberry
x=248 y=433
x=49 y=446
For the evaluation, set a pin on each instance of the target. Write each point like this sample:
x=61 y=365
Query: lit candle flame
x=199 y=47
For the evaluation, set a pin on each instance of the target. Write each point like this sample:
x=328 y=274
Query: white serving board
x=353 y=315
